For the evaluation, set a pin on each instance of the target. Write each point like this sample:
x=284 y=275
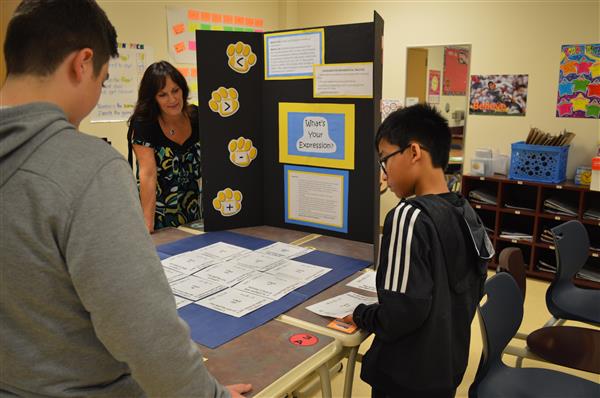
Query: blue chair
x=500 y=317
x=564 y=300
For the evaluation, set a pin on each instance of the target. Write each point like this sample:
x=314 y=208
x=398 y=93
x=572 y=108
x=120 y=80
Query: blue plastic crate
x=539 y=163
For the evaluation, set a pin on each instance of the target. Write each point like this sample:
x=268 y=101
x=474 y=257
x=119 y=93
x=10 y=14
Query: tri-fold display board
x=287 y=121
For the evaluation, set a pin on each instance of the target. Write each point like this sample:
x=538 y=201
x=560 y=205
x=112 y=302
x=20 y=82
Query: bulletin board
x=255 y=129
x=182 y=23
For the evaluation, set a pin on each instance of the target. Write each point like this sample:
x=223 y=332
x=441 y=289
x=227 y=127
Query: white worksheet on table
x=234 y=302
x=194 y=288
x=189 y=262
x=173 y=275
x=366 y=281
x=280 y=249
x=340 y=306
x=300 y=271
x=258 y=261
x=227 y=273
x=269 y=286
x=222 y=250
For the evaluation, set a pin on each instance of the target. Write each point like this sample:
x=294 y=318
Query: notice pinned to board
x=351 y=80
x=119 y=93
x=316 y=197
x=291 y=55
x=319 y=135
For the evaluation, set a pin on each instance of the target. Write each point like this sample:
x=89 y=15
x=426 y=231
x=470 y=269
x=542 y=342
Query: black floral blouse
x=178 y=173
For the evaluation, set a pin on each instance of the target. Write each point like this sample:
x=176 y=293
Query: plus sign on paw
x=228 y=202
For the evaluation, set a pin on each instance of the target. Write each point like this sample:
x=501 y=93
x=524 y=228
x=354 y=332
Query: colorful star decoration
x=581 y=84
x=564 y=108
x=565 y=88
x=584 y=67
x=593 y=90
x=595 y=70
x=569 y=67
x=593 y=110
x=579 y=81
x=579 y=103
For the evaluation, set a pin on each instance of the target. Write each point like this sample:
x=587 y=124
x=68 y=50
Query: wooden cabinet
x=519 y=209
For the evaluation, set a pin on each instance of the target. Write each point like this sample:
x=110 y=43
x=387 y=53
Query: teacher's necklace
x=171 y=130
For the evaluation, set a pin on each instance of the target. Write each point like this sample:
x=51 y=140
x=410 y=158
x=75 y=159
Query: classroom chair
x=511 y=260
x=564 y=300
x=500 y=317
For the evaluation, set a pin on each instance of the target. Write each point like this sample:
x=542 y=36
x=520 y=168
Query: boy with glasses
x=431 y=269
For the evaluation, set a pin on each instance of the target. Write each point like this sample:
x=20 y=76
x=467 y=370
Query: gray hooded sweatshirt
x=85 y=308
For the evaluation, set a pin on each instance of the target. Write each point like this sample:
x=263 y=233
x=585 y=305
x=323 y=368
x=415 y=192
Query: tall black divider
x=219 y=172
x=262 y=183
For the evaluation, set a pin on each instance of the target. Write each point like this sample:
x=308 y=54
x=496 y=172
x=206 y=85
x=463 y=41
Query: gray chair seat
x=500 y=317
x=563 y=299
x=534 y=382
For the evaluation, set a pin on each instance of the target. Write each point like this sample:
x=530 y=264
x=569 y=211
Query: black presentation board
x=261 y=183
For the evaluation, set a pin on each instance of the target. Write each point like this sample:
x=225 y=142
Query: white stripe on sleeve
x=392 y=244
x=409 y=236
x=398 y=244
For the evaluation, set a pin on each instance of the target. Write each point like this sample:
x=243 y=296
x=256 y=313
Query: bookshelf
x=530 y=217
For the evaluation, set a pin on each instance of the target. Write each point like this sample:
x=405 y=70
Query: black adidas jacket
x=432 y=267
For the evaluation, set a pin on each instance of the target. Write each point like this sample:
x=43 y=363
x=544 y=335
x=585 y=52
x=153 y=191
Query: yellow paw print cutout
x=241 y=57
x=241 y=151
x=224 y=101
x=228 y=202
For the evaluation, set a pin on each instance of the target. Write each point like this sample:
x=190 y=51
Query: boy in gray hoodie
x=85 y=306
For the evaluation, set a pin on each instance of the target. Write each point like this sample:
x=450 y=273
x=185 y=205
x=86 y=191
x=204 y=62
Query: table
x=276 y=375
x=243 y=360
x=275 y=233
x=342 y=247
x=300 y=316
x=168 y=235
x=570 y=346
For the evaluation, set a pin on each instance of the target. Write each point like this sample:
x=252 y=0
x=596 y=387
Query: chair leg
x=554 y=322
x=519 y=362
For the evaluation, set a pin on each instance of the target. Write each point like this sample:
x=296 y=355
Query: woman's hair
x=154 y=80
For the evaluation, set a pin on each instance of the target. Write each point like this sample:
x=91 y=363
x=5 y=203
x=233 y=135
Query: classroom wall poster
x=182 y=23
x=456 y=69
x=498 y=95
x=120 y=91
x=292 y=54
x=317 y=134
x=388 y=106
x=579 y=81
x=433 y=91
x=316 y=197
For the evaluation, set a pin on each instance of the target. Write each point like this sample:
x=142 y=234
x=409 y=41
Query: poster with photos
x=579 y=81
x=498 y=95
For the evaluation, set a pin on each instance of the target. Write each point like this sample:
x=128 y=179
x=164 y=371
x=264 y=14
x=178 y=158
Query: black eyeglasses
x=384 y=159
